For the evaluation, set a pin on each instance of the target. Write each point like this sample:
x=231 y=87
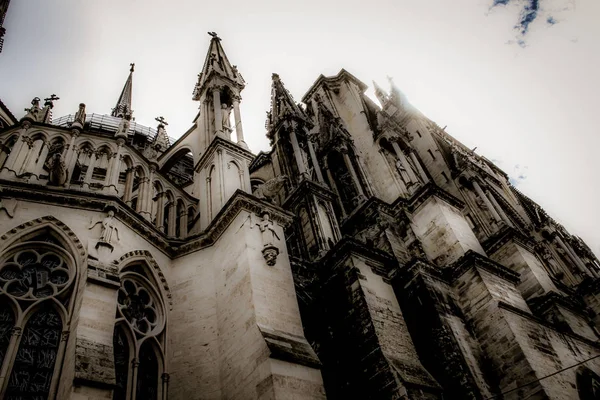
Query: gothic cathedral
x=367 y=255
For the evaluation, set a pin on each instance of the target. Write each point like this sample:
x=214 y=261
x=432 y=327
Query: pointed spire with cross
x=161 y=140
x=123 y=107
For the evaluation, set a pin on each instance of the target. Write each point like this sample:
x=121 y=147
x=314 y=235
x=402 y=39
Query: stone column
x=16 y=150
x=422 y=173
x=145 y=196
x=400 y=183
x=183 y=223
x=160 y=211
x=217 y=110
x=70 y=153
x=115 y=165
x=498 y=208
x=315 y=163
x=487 y=202
x=350 y=167
x=404 y=161
x=297 y=154
x=571 y=255
x=334 y=188
x=10 y=349
x=171 y=220
x=239 y=131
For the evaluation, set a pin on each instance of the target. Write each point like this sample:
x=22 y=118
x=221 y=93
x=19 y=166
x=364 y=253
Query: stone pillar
x=239 y=131
x=401 y=185
x=128 y=191
x=350 y=167
x=487 y=202
x=404 y=161
x=16 y=150
x=14 y=337
x=171 y=220
x=146 y=193
x=334 y=188
x=115 y=165
x=315 y=163
x=70 y=153
x=498 y=208
x=183 y=224
x=160 y=211
x=422 y=173
x=297 y=154
x=571 y=255
x=217 y=110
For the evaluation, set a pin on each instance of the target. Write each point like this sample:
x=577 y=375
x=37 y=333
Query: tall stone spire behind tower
x=218 y=91
x=123 y=107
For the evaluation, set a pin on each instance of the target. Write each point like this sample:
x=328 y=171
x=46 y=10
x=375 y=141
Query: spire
x=217 y=64
x=123 y=107
x=282 y=104
x=380 y=94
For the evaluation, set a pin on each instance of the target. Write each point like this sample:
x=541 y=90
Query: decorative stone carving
x=270 y=188
x=35 y=111
x=269 y=237
x=79 y=119
x=58 y=171
x=9 y=206
x=109 y=228
x=225 y=117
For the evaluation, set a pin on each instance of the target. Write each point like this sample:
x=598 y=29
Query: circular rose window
x=138 y=306
x=34 y=274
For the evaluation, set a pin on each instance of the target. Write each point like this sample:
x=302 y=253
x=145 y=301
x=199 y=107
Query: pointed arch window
x=37 y=277
x=138 y=339
x=6 y=149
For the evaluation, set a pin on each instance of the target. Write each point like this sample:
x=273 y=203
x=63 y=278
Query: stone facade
x=367 y=255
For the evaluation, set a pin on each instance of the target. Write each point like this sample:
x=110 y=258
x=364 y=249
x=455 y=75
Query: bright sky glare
x=530 y=109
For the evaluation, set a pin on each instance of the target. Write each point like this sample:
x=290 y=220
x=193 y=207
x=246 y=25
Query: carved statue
x=35 y=111
x=58 y=170
x=270 y=188
x=269 y=251
x=403 y=173
x=80 y=114
x=225 y=114
x=109 y=227
x=123 y=129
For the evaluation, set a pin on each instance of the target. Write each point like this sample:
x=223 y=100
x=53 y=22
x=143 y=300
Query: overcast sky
x=530 y=106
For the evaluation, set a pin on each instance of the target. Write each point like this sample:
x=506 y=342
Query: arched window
x=138 y=340
x=37 y=276
x=84 y=159
x=342 y=179
x=6 y=148
x=101 y=164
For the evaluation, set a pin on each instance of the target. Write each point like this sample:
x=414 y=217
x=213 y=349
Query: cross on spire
x=132 y=67
x=161 y=121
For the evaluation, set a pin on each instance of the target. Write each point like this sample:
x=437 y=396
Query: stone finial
x=79 y=120
x=34 y=113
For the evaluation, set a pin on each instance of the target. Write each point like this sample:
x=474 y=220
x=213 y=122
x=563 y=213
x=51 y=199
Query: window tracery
x=138 y=339
x=37 y=269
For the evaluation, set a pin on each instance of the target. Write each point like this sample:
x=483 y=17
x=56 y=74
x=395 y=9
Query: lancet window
x=6 y=148
x=138 y=339
x=84 y=159
x=37 y=277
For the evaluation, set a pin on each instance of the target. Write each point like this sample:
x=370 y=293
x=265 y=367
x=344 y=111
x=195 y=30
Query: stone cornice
x=170 y=246
x=348 y=246
x=307 y=187
x=431 y=189
x=238 y=202
x=87 y=201
x=473 y=259
x=219 y=142
x=261 y=159
x=542 y=303
x=506 y=234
